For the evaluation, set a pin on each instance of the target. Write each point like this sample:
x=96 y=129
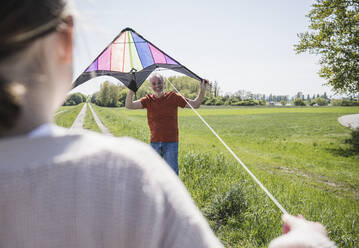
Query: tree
x=74 y=99
x=114 y=95
x=334 y=35
x=298 y=102
x=104 y=94
x=95 y=98
x=122 y=96
x=270 y=98
x=299 y=95
x=215 y=89
x=108 y=95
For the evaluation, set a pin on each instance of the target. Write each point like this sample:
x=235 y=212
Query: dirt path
x=79 y=121
x=351 y=121
x=104 y=129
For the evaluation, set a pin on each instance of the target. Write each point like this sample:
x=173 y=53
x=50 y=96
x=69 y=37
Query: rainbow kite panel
x=131 y=59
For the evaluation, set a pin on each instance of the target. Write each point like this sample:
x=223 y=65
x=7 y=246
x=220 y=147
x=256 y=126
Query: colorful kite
x=131 y=58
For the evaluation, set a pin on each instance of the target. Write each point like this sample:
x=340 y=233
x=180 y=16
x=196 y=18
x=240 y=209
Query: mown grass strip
x=89 y=122
x=120 y=123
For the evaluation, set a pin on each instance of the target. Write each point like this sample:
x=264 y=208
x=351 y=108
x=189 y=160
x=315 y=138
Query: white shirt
x=47 y=130
x=90 y=190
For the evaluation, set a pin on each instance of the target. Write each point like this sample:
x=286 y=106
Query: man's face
x=156 y=85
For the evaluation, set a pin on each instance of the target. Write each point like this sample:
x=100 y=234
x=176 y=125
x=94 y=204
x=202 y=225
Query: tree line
x=112 y=95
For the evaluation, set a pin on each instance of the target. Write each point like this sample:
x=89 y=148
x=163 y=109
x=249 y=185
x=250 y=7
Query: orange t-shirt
x=162 y=115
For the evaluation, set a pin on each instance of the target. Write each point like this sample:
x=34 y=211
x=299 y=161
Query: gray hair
x=158 y=76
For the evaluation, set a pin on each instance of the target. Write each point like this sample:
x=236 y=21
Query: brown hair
x=21 y=23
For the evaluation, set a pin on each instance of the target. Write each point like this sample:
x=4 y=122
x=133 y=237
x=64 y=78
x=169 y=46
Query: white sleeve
x=181 y=222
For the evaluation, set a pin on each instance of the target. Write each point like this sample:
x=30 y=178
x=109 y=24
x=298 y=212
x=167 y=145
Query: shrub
x=262 y=102
x=70 y=103
x=74 y=99
x=320 y=101
x=234 y=102
x=218 y=101
x=345 y=102
x=299 y=102
x=248 y=102
x=210 y=101
x=337 y=102
x=231 y=204
x=354 y=140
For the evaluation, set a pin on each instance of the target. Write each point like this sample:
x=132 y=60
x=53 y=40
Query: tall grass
x=295 y=152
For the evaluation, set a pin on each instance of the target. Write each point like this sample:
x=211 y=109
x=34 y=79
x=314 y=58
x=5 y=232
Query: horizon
x=86 y=90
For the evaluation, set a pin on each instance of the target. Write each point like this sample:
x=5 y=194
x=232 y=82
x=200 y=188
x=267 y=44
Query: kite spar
x=131 y=59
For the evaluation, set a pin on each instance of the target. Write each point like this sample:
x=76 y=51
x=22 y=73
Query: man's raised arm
x=202 y=90
x=130 y=104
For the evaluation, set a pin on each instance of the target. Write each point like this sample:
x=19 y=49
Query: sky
x=241 y=44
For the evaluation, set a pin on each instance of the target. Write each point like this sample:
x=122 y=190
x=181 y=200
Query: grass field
x=66 y=115
x=298 y=153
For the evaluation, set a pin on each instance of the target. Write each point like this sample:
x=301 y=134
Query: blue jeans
x=169 y=152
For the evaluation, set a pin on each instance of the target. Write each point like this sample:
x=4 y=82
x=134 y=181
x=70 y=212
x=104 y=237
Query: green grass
x=66 y=115
x=122 y=122
x=89 y=122
x=299 y=154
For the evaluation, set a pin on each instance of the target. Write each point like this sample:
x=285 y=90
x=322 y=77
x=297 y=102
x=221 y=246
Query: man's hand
x=203 y=85
x=302 y=234
x=130 y=104
x=196 y=103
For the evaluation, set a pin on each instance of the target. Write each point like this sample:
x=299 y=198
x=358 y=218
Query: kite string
x=233 y=154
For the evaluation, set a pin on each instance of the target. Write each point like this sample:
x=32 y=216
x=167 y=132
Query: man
x=162 y=116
